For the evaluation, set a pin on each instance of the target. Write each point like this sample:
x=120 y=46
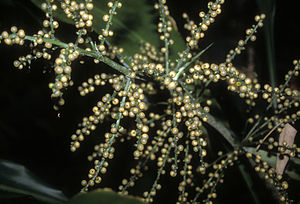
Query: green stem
x=109 y=22
x=246 y=40
x=190 y=62
x=185 y=169
x=227 y=134
x=166 y=156
x=182 y=59
x=94 y=54
x=252 y=129
x=50 y=18
x=112 y=138
x=135 y=176
x=166 y=40
x=199 y=29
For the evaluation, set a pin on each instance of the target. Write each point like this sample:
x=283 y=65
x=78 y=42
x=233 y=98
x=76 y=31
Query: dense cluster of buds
x=172 y=132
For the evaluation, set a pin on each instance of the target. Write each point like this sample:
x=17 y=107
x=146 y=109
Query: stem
x=246 y=40
x=227 y=134
x=94 y=54
x=112 y=138
x=185 y=170
x=252 y=129
x=199 y=29
x=166 y=156
x=135 y=176
x=274 y=128
x=190 y=62
x=180 y=62
x=50 y=18
x=109 y=22
x=166 y=40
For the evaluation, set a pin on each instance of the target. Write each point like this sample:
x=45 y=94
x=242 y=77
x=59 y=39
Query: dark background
x=32 y=134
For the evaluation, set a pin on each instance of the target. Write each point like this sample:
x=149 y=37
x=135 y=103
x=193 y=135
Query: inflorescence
x=174 y=135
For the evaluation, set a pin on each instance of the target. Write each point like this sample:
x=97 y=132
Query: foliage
x=104 y=196
x=16 y=178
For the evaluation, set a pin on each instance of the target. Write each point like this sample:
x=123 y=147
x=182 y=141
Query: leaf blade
x=17 y=179
x=271 y=160
x=103 y=196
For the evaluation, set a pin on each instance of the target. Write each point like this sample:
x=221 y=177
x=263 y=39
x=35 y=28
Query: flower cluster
x=170 y=133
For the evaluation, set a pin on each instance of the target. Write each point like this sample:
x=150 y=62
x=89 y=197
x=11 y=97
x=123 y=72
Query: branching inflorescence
x=173 y=135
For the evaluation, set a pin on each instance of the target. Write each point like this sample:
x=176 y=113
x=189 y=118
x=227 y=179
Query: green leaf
x=134 y=24
x=224 y=131
x=16 y=178
x=294 y=175
x=268 y=7
x=249 y=183
x=271 y=159
x=179 y=43
x=296 y=161
x=104 y=196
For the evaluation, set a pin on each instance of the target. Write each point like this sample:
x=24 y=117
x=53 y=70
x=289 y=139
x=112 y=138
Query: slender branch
x=93 y=54
x=190 y=62
x=164 y=29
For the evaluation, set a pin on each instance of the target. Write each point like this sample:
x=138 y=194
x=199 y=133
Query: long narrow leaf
x=104 y=196
x=17 y=179
x=268 y=7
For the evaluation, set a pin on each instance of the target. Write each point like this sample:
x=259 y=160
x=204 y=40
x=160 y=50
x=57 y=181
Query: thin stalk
x=84 y=52
x=166 y=156
x=50 y=18
x=227 y=134
x=190 y=62
x=185 y=169
x=274 y=128
x=109 y=22
x=199 y=29
x=166 y=40
x=252 y=129
x=246 y=40
x=111 y=139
